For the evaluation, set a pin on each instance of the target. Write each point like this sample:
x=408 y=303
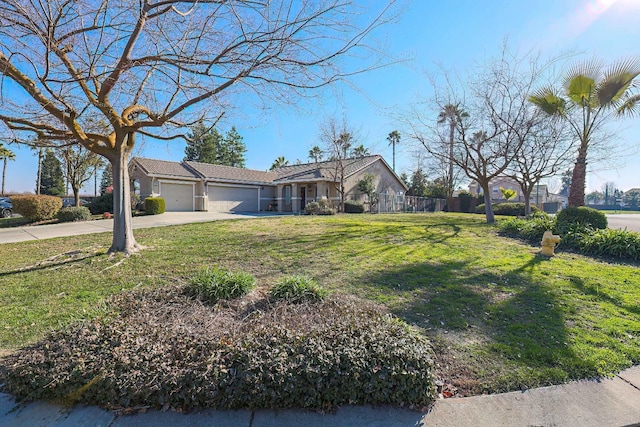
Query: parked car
x=6 y=207
x=70 y=201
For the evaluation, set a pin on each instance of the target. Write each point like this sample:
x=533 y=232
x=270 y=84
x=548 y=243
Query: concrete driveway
x=48 y=231
x=629 y=221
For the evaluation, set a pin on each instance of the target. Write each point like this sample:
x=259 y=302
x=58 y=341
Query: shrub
x=161 y=349
x=74 y=213
x=37 y=207
x=321 y=207
x=214 y=284
x=154 y=205
x=581 y=216
x=297 y=289
x=507 y=209
x=101 y=204
x=530 y=229
x=351 y=206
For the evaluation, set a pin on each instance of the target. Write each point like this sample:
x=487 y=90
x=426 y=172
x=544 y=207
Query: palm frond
x=546 y=100
x=580 y=81
x=630 y=106
x=617 y=81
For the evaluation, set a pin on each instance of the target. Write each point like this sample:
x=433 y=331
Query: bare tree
x=490 y=127
x=545 y=152
x=79 y=165
x=153 y=67
x=337 y=139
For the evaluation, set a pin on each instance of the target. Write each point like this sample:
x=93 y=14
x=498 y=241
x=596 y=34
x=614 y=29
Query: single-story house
x=194 y=186
x=538 y=196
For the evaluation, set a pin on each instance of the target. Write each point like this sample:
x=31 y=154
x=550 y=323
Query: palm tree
x=360 y=151
x=5 y=154
x=316 y=154
x=453 y=115
x=279 y=162
x=592 y=94
x=394 y=138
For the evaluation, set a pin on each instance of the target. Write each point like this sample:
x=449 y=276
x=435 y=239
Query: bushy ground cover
x=500 y=317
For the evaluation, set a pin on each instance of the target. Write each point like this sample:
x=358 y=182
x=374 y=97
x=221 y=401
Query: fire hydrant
x=549 y=242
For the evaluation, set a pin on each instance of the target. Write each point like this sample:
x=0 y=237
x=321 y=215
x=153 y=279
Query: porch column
x=295 y=198
x=279 y=199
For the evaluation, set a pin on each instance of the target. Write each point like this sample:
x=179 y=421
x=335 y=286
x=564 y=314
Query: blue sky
x=429 y=34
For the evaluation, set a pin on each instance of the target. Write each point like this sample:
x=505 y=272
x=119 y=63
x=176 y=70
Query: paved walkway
x=603 y=403
x=48 y=231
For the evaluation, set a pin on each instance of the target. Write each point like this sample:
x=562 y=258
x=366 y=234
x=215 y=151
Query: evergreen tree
x=107 y=179
x=418 y=183
x=203 y=145
x=232 y=149
x=52 y=179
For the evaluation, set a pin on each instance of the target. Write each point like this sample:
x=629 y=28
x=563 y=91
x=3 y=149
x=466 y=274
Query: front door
x=303 y=197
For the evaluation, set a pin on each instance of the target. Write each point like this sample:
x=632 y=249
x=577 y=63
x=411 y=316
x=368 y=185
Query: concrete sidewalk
x=607 y=402
x=48 y=231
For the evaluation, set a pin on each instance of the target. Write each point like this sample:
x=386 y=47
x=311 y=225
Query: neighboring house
x=539 y=195
x=194 y=186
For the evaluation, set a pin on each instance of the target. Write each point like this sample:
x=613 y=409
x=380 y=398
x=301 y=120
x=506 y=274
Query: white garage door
x=232 y=199
x=177 y=197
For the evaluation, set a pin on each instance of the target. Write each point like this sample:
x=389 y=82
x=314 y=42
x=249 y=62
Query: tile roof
x=322 y=169
x=164 y=168
x=229 y=173
x=307 y=171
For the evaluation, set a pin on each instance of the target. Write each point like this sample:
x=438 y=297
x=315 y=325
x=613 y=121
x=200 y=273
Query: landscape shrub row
x=321 y=207
x=507 y=209
x=163 y=348
x=36 y=207
x=581 y=229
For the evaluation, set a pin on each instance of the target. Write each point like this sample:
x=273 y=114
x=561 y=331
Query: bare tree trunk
x=39 y=179
x=4 y=173
x=123 y=239
x=527 y=200
x=452 y=128
x=576 y=191
x=76 y=195
x=488 y=207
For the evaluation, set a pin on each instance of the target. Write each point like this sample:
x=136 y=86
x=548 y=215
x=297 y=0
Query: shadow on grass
x=511 y=317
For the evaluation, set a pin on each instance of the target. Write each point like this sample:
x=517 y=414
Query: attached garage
x=178 y=196
x=233 y=198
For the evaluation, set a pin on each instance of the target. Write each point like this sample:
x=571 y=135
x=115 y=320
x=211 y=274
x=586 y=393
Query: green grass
x=501 y=317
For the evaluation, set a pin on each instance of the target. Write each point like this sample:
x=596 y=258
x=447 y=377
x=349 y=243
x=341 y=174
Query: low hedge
x=507 y=209
x=530 y=229
x=74 y=213
x=154 y=205
x=163 y=349
x=36 y=207
x=351 y=206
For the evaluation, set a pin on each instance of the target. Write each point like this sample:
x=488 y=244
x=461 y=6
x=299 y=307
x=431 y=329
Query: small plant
x=508 y=193
x=298 y=289
x=351 y=206
x=154 y=205
x=74 y=213
x=214 y=284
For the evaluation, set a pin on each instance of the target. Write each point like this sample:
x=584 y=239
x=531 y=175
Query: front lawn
x=500 y=317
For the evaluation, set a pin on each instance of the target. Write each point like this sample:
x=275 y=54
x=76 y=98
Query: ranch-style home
x=194 y=186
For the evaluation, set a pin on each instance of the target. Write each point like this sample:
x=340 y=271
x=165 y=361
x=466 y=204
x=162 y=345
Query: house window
x=287 y=195
x=495 y=190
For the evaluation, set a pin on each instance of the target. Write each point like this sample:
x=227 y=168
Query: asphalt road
x=630 y=221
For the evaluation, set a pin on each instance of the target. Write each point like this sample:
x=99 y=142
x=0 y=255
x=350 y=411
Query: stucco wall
x=384 y=181
x=267 y=197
